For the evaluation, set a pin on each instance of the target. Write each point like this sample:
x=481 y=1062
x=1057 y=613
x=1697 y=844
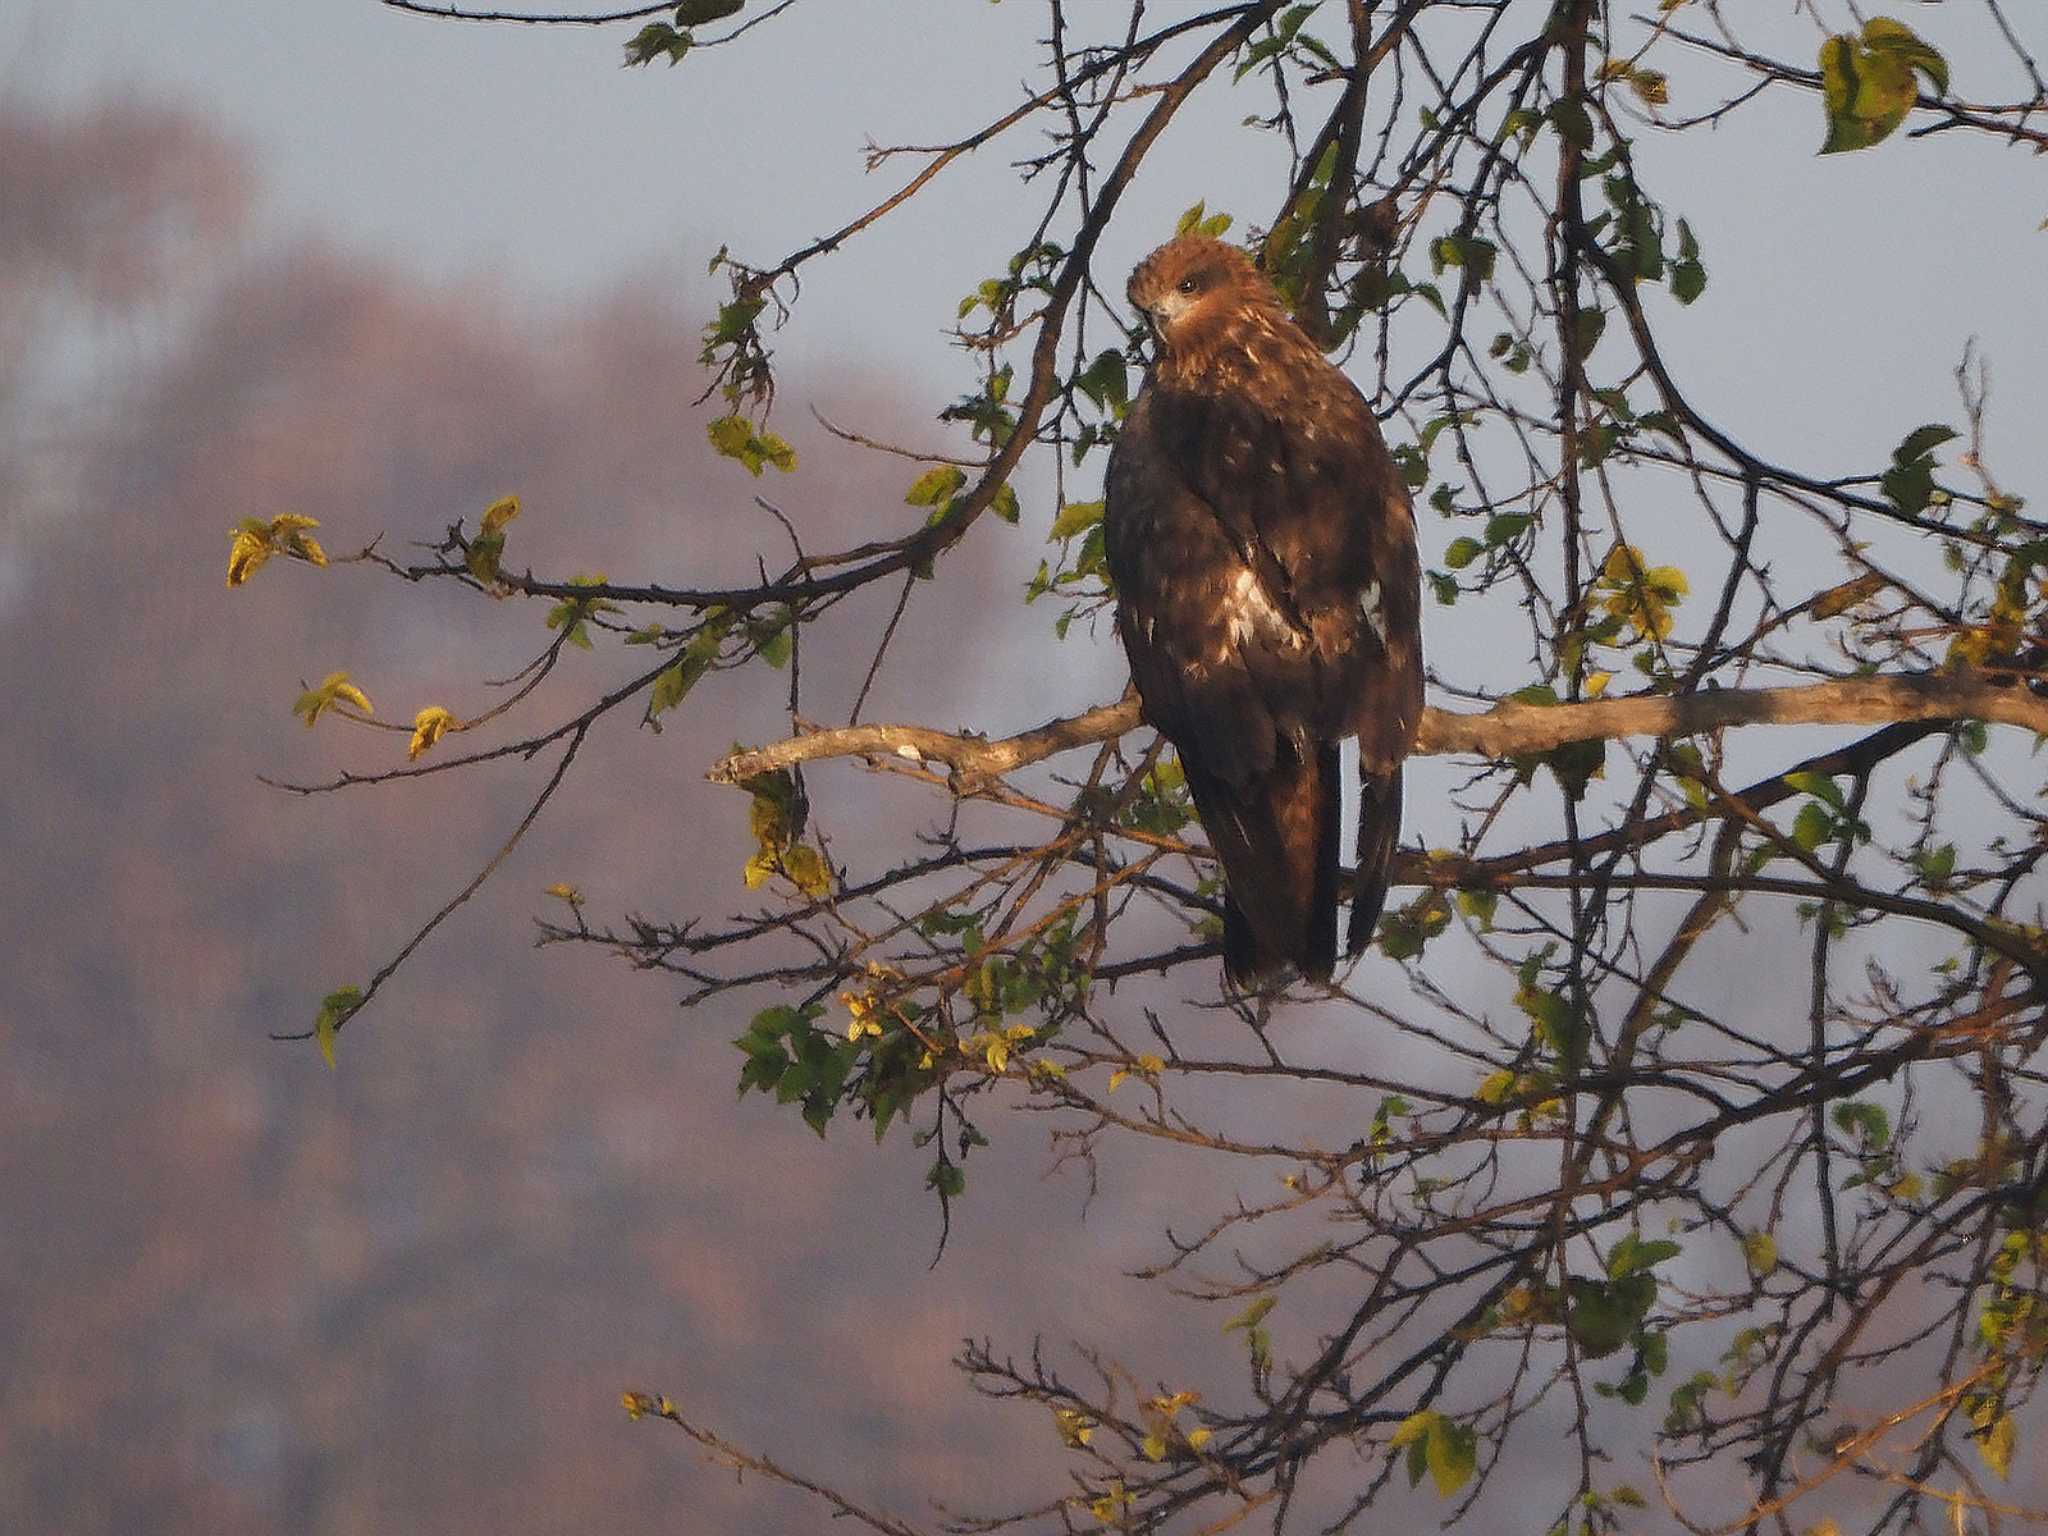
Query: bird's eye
x=1188 y=285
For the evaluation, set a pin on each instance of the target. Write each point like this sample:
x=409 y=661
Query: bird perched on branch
x=1268 y=595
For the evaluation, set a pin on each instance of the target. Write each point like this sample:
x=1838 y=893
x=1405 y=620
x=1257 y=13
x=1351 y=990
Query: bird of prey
x=1268 y=594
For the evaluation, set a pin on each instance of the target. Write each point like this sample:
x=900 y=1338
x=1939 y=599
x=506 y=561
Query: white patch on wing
x=1249 y=612
x=1375 y=614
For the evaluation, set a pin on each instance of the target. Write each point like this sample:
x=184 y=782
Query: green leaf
x=1820 y=785
x=1601 y=1316
x=1856 y=1118
x=736 y=438
x=1573 y=123
x=1479 y=906
x=335 y=1009
x=1106 y=381
x=1936 y=864
x=1760 y=1253
x=1869 y=84
x=1453 y=1455
x=1922 y=441
x=1505 y=526
x=657 y=40
x=1253 y=1314
x=694 y=13
x=1470 y=252
x=1075 y=517
x=948 y=1178
x=1633 y=1256
x=935 y=486
x=1655 y=1349
x=1590 y=326
x=670 y=687
x=1462 y=552
x=1198 y=220
x=1813 y=826
x=1883 y=35
x=483 y=555
x=1004 y=504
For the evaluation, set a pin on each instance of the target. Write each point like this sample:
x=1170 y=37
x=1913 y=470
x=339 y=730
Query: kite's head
x=1193 y=290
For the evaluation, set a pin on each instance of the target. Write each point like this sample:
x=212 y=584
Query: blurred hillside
x=240 y=1293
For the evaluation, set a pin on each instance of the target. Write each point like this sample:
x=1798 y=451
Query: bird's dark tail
x=1278 y=837
x=1379 y=828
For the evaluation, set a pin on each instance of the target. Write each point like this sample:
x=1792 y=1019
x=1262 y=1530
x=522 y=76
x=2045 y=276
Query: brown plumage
x=1268 y=595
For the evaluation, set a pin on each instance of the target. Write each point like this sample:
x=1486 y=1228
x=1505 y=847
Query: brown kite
x=1268 y=595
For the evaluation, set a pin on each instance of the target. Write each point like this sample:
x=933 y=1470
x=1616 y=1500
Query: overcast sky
x=523 y=163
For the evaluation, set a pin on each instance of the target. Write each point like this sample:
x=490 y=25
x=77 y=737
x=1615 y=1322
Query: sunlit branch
x=1508 y=729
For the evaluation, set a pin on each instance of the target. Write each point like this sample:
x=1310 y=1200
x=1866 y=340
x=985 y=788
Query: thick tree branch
x=1503 y=730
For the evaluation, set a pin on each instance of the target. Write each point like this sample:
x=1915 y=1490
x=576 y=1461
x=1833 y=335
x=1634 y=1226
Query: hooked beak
x=1160 y=313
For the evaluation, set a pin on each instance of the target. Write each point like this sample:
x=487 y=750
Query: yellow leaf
x=428 y=727
x=254 y=542
x=499 y=513
x=335 y=1009
x=1197 y=1438
x=1998 y=1444
x=1116 y=1080
x=1596 y=683
x=246 y=556
x=1496 y=1088
x=807 y=871
x=1413 y=1428
x=1153 y=1446
x=1112 y=1505
x=1151 y=1065
x=759 y=870
x=288 y=533
x=1075 y=1427
x=562 y=890
x=315 y=702
x=1651 y=85
x=861 y=1005
x=1839 y=600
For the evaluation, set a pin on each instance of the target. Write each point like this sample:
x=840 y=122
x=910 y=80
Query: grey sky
x=526 y=160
